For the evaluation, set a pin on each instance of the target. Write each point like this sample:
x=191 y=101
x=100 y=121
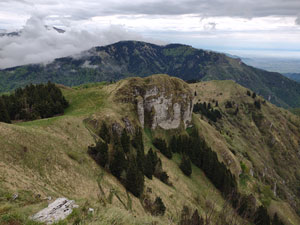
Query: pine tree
x=4 y=116
x=276 y=220
x=102 y=153
x=185 y=165
x=149 y=164
x=134 y=179
x=125 y=141
x=161 y=145
x=118 y=162
x=140 y=158
x=173 y=144
x=104 y=133
x=261 y=216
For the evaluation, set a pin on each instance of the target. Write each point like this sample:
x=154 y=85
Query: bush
x=257 y=104
x=159 y=207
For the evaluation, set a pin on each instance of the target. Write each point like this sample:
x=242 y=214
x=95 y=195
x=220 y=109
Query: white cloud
x=38 y=44
x=215 y=24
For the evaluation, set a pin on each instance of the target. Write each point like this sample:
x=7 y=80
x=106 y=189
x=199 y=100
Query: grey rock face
x=165 y=111
x=160 y=101
x=57 y=210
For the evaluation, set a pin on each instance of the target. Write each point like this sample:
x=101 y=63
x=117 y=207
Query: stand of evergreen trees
x=162 y=146
x=123 y=155
x=32 y=102
x=207 y=111
x=195 y=149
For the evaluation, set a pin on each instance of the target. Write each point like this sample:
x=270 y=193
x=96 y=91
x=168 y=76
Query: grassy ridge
x=48 y=157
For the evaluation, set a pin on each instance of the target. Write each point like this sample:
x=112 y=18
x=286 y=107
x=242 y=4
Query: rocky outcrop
x=57 y=210
x=161 y=101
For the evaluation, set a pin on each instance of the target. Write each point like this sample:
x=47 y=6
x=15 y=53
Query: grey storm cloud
x=38 y=43
x=237 y=8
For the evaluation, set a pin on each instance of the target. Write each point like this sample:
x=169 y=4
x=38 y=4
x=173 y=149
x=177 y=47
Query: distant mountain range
x=133 y=58
x=18 y=33
x=275 y=64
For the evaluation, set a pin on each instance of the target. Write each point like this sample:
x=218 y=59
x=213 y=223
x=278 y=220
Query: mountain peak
x=135 y=58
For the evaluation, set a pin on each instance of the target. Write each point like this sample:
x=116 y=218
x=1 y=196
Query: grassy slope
x=268 y=148
x=48 y=157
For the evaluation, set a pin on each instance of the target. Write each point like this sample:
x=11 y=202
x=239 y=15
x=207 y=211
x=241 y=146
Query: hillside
x=132 y=58
x=48 y=157
x=293 y=76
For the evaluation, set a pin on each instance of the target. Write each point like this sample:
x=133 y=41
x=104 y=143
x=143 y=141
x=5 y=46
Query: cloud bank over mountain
x=38 y=43
x=243 y=26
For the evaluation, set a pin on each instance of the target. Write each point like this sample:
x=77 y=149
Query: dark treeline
x=195 y=150
x=124 y=156
x=32 y=102
x=207 y=111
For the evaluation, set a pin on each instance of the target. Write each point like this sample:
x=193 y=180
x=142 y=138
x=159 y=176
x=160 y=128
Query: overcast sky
x=241 y=27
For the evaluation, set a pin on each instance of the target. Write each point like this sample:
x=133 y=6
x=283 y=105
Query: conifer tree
x=149 y=164
x=4 y=116
x=161 y=145
x=261 y=216
x=134 y=179
x=118 y=162
x=185 y=165
x=102 y=153
x=140 y=158
x=104 y=133
x=276 y=220
x=173 y=144
x=148 y=168
x=125 y=141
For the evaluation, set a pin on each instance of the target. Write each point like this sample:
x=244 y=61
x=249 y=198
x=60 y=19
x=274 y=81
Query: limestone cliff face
x=160 y=100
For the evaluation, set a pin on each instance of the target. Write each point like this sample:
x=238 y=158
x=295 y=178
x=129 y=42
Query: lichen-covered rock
x=57 y=210
x=161 y=101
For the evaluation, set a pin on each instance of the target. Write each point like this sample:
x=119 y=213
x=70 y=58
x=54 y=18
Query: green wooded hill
x=252 y=150
x=133 y=58
x=293 y=76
